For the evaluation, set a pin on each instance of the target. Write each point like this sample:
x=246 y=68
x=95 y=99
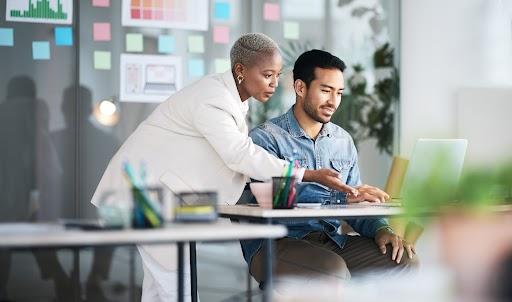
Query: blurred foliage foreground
x=479 y=190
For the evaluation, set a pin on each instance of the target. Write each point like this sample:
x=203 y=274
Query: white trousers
x=160 y=264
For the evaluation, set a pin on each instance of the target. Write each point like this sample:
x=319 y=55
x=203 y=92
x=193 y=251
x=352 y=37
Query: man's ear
x=300 y=88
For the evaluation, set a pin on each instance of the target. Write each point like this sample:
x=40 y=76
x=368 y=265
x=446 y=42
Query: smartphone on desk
x=83 y=224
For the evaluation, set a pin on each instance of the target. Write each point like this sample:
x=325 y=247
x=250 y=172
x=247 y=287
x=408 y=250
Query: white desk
x=41 y=235
x=34 y=235
x=340 y=211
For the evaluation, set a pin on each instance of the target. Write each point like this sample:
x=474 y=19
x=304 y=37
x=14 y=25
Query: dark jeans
x=317 y=256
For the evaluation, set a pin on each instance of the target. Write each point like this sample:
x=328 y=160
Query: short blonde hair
x=249 y=46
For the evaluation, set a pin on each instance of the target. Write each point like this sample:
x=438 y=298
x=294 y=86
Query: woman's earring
x=240 y=78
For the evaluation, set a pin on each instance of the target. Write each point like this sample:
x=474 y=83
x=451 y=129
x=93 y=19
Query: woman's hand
x=329 y=178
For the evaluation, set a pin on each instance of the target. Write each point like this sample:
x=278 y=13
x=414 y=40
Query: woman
x=198 y=140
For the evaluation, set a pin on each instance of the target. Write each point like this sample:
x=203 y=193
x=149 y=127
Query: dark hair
x=304 y=68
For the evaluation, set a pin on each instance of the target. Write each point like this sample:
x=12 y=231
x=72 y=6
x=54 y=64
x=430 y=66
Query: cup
x=262 y=191
x=283 y=193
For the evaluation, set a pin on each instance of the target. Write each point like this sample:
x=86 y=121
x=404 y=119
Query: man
x=315 y=248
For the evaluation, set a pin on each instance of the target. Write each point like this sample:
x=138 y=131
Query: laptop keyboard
x=362 y=204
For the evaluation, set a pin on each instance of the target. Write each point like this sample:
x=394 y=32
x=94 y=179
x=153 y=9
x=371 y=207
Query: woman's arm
x=328 y=178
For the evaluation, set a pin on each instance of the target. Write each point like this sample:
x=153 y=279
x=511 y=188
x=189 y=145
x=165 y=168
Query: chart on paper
x=149 y=78
x=185 y=14
x=40 y=11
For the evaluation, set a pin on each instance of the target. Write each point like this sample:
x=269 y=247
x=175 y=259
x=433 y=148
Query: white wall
x=448 y=45
x=484 y=118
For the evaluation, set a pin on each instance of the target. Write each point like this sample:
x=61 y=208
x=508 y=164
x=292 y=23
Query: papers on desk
x=363 y=204
x=309 y=205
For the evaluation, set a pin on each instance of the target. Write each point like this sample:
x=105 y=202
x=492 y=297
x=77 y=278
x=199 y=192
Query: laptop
x=441 y=159
x=160 y=79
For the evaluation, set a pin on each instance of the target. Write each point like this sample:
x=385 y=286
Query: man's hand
x=368 y=193
x=409 y=247
x=385 y=236
x=331 y=179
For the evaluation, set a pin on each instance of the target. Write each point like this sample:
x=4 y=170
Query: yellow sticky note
x=196 y=44
x=134 y=42
x=102 y=60
x=222 y=65
x=291 y=30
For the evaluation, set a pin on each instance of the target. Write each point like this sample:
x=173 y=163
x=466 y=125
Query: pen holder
x=283 y=193
x=147 y=209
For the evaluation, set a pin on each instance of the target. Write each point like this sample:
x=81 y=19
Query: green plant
x=478 y=190
x=371 y=115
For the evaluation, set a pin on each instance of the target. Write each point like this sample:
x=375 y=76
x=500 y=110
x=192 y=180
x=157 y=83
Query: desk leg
x=181 y=284
x=267 y=293
x=131 y=250
x=75 y=275
x=193 y=271
x=249 y=286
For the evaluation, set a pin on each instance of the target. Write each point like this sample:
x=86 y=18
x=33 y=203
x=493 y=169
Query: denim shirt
x=333 y=148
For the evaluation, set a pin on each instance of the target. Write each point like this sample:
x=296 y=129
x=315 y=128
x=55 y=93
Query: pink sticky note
x=101 y=3
x=271 y=12
x=101 y=32
x=221 y=34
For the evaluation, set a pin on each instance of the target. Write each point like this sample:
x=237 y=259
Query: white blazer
x=195 y=140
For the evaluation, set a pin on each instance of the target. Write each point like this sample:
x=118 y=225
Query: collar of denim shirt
x=296 y=130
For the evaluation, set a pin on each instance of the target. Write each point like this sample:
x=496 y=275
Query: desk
x=44 y=235
x=254 y=212
x=267 y=216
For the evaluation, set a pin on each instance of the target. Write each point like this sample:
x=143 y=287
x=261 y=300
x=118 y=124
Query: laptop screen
x=436 y=164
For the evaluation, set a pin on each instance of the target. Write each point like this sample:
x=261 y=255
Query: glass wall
x=53 y=148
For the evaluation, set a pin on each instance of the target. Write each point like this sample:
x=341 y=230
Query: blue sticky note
x=166 y=44
x=222 y=10
x=41 y=50
x=6 y=36
x=63 y=36
x=196 y=67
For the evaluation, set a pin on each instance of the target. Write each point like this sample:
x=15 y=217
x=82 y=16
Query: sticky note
x=63 y=36
x=271 y=12
x=134 y=42
x=196 y=67
x=6 y=36
x=101 y=32
x=102 y=60
x=291 y=30
x=166 y=44
x=221 y=34
x=221 y=65
x=221 y=11
x=196 y=44
x=41 y=50
x=101 y=3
